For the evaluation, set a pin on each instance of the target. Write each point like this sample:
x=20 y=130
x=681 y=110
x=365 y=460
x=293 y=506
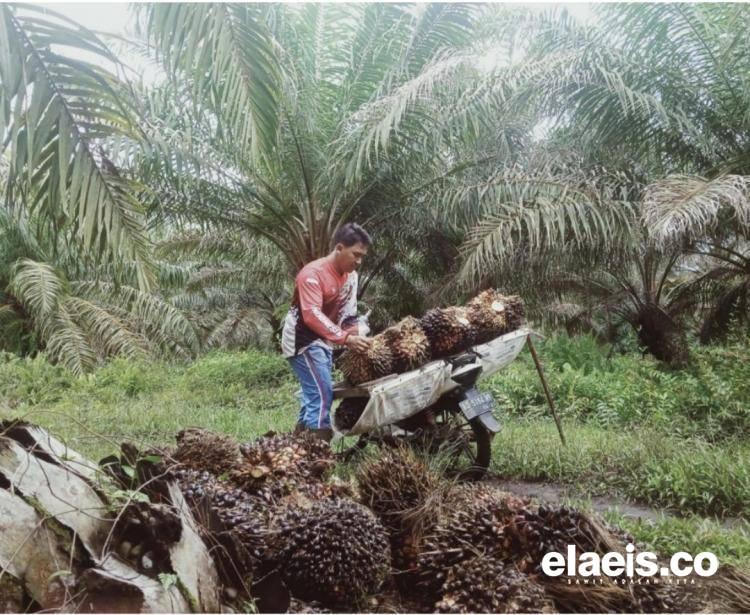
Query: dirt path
x=555 y=492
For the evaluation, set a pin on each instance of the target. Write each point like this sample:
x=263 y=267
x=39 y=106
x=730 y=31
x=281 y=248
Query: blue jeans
x=313 y=368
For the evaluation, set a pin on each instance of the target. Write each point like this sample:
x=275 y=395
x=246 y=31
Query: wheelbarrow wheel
x=466 y=443
x=482 y=452
x=348 y=453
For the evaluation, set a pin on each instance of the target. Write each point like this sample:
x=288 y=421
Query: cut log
x=49 y=448
x=115 y=587
x=32 y=554
x=59 y=492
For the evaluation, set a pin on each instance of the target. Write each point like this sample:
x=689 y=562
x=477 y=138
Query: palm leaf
x=537 y=215
x=145 y=308
x=689 y=206
x=227 y=51
x=63 y=109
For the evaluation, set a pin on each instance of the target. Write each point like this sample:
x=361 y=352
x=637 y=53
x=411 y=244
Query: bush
x=125 y=378
x=710 y=399
x=31 y=381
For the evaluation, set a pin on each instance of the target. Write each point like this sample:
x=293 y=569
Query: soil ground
x=555 y=492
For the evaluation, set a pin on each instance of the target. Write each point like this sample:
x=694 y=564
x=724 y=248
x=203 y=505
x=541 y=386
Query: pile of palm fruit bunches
x=441 y=332
x=412 y=342
x=287 y=535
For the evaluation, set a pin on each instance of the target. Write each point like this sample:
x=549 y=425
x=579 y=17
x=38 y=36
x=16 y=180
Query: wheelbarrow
x=436 y=408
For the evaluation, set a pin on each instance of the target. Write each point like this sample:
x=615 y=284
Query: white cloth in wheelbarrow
x=497 y=353
x=397 y=397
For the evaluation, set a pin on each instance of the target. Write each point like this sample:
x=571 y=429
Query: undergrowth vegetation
x=677 y=439
x=710 y=399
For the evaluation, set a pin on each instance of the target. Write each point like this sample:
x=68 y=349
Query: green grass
x=688 y=475
x=668 y=535
x=242 y=394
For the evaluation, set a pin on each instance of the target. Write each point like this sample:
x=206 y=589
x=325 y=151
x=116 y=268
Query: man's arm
x=311 y=304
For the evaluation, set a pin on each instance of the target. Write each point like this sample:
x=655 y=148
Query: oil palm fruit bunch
x=234 y=518
x=394 y=484
x=486 y=312
x=473 y=520
x=348 y=412
x=205 y=450
x=515 y=312
x=536 y=532
x=448 y=330
x=245 y=518
x=373 y=363
x=334 y=551
x=194 y=484
x=649 y=598
x=296 y=455
x=487 y=585
x=400 y=488
x=274 y=465
x=144 y=532
x=408 y=344
x=299 y=606
x=494 y=314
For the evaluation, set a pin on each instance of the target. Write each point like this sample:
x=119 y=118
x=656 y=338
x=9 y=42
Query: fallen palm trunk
x=59 y=514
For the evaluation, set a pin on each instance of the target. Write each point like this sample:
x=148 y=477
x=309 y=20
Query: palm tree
x=649 y=95
x=642 y=292
x=51 y=300
x=665 y=84
x=378 y=108
x=237 y=291
x=713 y=218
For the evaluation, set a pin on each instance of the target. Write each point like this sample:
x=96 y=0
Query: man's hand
x=358 y=343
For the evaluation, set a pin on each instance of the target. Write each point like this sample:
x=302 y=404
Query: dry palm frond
x=687 y=205
x=727 y=591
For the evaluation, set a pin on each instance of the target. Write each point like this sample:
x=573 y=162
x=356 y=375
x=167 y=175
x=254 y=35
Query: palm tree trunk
x=662 y=336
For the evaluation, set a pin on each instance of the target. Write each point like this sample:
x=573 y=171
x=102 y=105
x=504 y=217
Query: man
x=324 y=314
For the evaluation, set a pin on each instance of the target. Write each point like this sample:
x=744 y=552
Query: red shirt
x=323 y=300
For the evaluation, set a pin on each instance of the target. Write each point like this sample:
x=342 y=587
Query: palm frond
x=58 y=112
x=689 y=206
x=150 y=310
x=38 y=287
x=108 y=333
x=68 y=344
x=227 y=50
x=538 y=215
x=238 y=329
